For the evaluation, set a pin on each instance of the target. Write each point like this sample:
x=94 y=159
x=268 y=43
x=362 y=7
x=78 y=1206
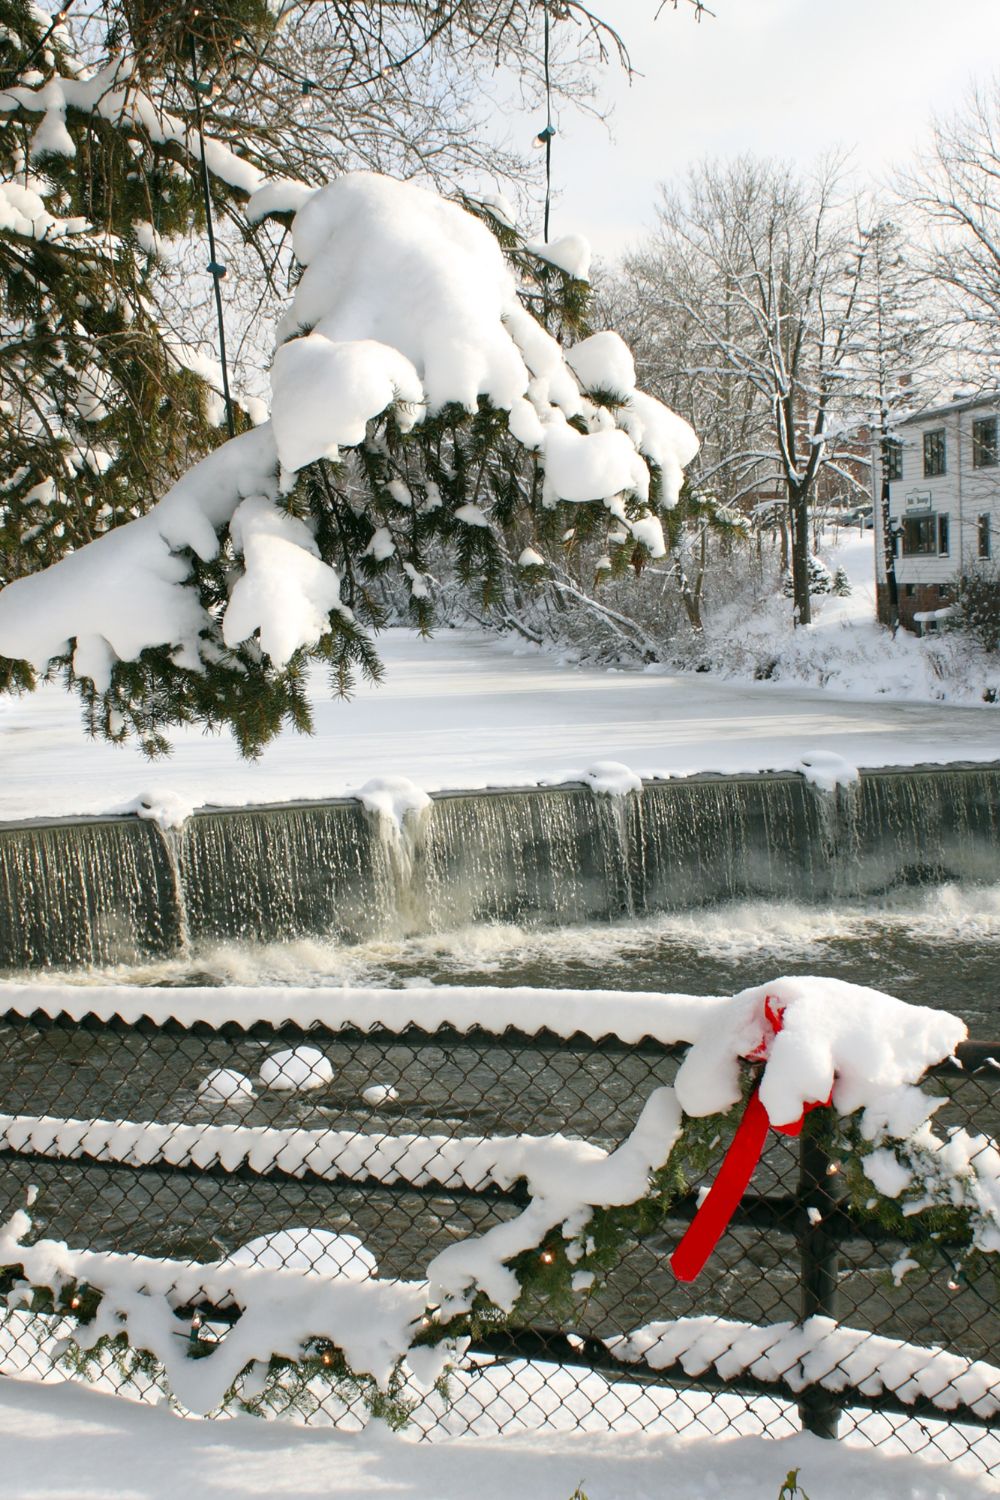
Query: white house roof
x=989 y=401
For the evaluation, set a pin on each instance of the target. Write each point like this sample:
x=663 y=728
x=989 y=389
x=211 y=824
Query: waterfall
x=117 y=890
x=280 y=872
x=90 y=891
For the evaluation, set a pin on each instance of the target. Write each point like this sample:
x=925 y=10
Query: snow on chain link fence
x=192 y=1153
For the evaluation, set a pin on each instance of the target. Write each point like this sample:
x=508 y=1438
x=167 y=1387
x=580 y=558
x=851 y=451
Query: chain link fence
x=297 y=1175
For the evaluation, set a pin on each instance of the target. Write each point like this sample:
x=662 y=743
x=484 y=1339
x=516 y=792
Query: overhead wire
x=549 y=130
x=215 y=267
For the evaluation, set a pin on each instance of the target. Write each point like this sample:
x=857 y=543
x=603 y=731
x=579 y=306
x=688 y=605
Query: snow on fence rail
x=300 y=1185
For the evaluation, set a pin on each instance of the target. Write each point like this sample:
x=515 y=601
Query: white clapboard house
x=944 y=501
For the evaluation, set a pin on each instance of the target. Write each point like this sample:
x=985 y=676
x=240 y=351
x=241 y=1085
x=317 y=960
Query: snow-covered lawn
x=62 y=1441
x=465 y=710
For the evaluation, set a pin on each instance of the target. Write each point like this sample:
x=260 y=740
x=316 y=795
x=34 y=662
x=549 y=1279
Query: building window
x=920 y=536
x=892 y=458
x=942 y=536
x=934 y=453
x=984 y=444
x=986 y=535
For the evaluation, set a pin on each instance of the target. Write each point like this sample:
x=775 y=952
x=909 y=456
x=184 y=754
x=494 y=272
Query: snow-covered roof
x=960 y=403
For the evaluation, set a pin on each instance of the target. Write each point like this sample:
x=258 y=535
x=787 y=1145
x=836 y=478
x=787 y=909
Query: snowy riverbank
x=844 y=651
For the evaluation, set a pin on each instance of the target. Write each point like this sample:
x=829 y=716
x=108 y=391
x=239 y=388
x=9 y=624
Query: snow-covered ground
x=62 y=1441
x=465 y=710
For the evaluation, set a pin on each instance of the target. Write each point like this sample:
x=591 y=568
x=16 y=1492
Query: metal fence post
x=819 y=1191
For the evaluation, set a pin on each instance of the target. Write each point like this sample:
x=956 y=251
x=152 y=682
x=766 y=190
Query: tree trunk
x=786 y=561
x=798 y=515
x=888 y=541
x=691 y=598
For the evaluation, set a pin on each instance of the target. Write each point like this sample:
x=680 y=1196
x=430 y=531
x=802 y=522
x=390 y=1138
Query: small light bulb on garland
x=547 y=1257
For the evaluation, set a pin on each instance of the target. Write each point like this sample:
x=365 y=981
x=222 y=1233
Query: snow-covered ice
x=466 y=710
x=379 y=1093
x=225 y=1086
x=296 y=1068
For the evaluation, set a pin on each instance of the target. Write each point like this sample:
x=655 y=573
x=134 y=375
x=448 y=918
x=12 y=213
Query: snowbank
x=72 y=1441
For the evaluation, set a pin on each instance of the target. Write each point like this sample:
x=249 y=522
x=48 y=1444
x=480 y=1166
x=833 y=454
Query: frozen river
x=464 y=710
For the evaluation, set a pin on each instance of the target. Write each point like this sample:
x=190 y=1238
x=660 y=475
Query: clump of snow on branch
x=406 y=304
x=564 y=1190
x=111 y=93
x=371 y=1320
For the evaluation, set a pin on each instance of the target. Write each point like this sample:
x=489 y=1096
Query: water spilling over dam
x=113 y=890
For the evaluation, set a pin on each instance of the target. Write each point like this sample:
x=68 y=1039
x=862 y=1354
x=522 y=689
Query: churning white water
x=933 y=945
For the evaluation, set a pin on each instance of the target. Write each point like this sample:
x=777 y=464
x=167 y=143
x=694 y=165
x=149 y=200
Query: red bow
x=720 y=1203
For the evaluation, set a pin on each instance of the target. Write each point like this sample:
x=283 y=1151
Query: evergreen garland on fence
x=946 y=1231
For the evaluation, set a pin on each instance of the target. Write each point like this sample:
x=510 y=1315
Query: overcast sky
x=786 y=78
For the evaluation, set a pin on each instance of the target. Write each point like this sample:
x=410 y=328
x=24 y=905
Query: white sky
x=785 y=78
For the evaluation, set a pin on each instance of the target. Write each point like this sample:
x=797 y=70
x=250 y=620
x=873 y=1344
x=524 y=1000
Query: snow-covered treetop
x=415 y=396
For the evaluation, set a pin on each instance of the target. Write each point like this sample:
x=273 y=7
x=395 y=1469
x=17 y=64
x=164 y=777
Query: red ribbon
x=720 y=1203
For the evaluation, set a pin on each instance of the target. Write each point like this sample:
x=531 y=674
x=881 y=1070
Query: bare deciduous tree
x=955 y=189
x=757 y=273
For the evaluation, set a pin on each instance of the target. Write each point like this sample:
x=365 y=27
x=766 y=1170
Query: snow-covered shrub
x=977 y=596
x=820 y=579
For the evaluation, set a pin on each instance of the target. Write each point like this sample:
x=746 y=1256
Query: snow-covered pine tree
x=97 y=410
x=417 y=398
x=820 y=579
x=103 y=398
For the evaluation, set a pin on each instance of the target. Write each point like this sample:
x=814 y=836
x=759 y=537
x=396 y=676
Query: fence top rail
x=540 y=1020
x=596 y=1016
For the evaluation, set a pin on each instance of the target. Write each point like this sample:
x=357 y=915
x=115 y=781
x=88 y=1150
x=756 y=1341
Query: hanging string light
x=216 y=269
x=544 y=136
x=43 y=40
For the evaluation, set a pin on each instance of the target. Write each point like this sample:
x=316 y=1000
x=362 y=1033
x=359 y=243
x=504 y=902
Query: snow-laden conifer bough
x=863 y=1051
x=414 y=396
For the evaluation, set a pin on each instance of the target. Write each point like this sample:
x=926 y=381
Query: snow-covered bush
x=977 y=596
x=820 y=579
